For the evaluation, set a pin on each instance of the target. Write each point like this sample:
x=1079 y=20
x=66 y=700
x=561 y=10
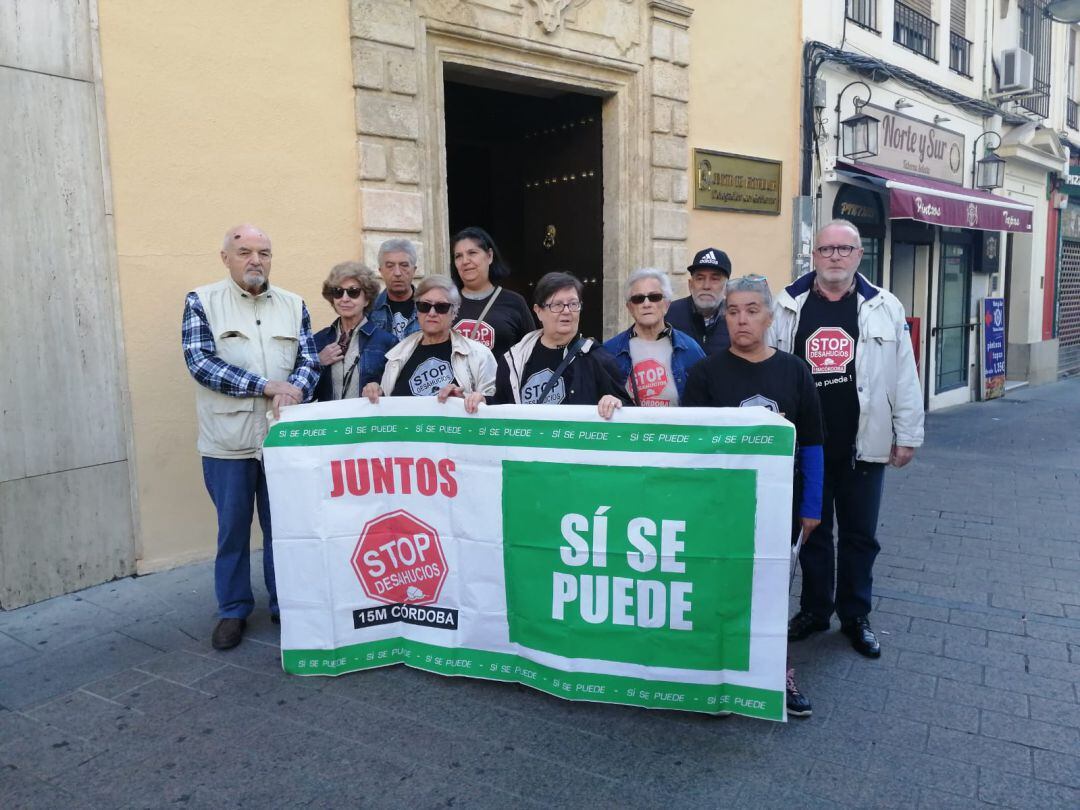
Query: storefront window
x=952 y=329
x=870 y=266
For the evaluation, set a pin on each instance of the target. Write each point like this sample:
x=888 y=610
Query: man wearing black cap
x=700 y=314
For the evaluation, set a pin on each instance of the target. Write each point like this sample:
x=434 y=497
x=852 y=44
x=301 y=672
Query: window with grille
x=1035 y=38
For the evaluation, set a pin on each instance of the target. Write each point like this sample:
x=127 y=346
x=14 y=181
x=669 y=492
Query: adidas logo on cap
x=711 y=259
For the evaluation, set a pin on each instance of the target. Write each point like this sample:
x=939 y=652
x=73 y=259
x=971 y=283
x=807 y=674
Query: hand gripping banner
x=641 y=561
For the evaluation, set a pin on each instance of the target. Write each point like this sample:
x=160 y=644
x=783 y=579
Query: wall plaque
x=726 y=182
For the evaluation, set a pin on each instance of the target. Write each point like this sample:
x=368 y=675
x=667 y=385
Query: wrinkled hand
x=473 y=402
x=607 y=406
x=280 y=401
x=280 y=387
x=901 y=455
x=372 y=391
x=448 y=391
x=331 y=354
x=281 y=393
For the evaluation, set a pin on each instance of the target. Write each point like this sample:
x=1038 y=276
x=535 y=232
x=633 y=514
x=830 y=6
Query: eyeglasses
x=640 y=298
x=352 y=292
x=558 y=307
x=840 y=250
x=442 y=307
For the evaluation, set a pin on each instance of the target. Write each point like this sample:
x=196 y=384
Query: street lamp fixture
x=1064 y=11
x=987 y=172
x=857 y=135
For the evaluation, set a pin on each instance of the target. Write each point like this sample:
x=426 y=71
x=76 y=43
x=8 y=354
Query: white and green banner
x=642 y=560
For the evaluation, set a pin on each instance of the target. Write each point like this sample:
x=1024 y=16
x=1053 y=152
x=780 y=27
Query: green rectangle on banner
x=600 y=688
x=649 y=566
x=770 y=440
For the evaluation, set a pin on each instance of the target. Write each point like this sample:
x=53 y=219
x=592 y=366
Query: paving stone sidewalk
x=112 y=697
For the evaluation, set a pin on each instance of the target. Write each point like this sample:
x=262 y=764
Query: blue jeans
x=235 y=486
x=854 y=496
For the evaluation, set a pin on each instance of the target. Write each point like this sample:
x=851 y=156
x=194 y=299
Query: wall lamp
x=1064 y=11
x=856 y=136
x=987 y=172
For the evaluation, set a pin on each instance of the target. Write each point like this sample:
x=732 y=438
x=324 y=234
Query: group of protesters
x=830 y=353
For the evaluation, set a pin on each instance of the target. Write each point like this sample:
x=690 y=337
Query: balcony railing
x=959 y=54
x=864 y=14
x=1070 y=113
x=915 y=31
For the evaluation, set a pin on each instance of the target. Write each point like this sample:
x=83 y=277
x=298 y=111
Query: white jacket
x=472 y=362
x=890 y=398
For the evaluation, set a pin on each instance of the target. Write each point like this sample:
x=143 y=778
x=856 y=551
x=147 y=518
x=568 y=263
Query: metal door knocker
x=549 y=237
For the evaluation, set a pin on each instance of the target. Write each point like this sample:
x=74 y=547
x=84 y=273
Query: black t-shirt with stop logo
x=426 y=371
x=826 y=339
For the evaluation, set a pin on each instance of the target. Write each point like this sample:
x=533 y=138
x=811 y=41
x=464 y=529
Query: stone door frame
x=400 y=59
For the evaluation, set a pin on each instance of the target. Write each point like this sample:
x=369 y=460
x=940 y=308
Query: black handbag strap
x=568 y=358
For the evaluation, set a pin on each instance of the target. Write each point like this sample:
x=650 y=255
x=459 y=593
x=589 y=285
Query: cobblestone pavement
x=113 y=697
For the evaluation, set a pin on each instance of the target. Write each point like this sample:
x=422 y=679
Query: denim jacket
x=372 y=357
x=685 y=352
x=383 y=317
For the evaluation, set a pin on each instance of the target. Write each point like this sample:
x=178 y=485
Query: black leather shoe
x=862 y=637
x=228 y=633
x=803 y=624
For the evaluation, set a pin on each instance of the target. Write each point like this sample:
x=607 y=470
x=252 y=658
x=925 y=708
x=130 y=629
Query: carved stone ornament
x=551 y=13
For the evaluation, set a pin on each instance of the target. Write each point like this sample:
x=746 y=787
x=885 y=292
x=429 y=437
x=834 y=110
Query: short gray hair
x=751 y=284
x=841 y=223
x=444 y=283
x=398 y=246
x=650 y=272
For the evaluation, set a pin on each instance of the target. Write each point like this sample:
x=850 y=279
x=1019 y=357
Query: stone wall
x=65 y=493
x=635 y=53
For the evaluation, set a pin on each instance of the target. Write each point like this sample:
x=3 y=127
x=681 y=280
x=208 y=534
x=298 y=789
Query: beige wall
x=744 y=98
x=217 y=113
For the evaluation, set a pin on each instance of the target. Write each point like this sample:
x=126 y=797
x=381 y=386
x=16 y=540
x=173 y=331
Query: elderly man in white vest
x=249 y=346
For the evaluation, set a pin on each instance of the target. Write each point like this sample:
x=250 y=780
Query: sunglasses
x=426 y=306
x=352 y=292
x=640 y=298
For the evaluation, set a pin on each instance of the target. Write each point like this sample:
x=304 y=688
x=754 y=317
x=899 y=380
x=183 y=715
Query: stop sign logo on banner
x=399 y=559
x=829 y=350
x=480 y=331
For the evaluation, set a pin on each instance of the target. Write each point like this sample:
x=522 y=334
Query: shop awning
x=938 y=203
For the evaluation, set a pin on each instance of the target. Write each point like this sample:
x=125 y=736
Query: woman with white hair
x=751 y=373
x=436 y=360
x=653 y=356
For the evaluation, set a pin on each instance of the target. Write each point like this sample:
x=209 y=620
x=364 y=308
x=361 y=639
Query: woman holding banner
x=436 y=360
x=352 y=352
x=554 y=365
x=752 y=373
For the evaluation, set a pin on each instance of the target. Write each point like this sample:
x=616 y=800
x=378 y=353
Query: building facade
x=935 y=234
x=567 y=129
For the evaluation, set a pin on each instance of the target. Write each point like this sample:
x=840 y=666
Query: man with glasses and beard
x=701 y=314
x=854 y=338
x=244 y=342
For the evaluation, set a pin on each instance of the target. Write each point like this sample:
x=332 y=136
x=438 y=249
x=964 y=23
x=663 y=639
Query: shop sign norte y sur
x=917 y=147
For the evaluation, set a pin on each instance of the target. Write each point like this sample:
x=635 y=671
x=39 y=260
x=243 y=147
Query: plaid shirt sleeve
x=210 y=370
x=306 y=372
